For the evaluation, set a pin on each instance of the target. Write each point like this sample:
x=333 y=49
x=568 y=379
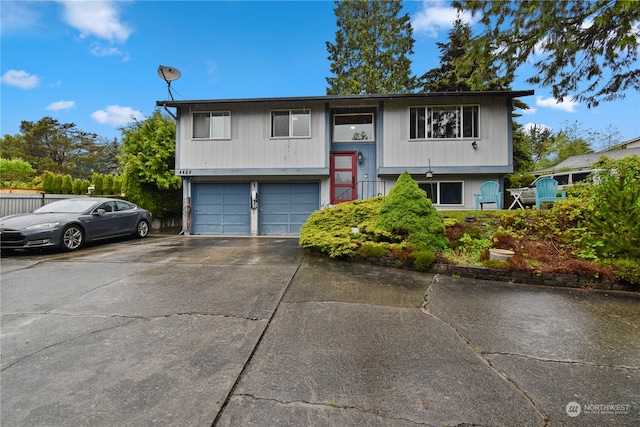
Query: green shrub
x=77 y=186
x=107 y=185
x=408 y=214
x=627 y=269
x=97 y=180
x=47 y=182
x=423 y=259
x=67 y=185
x=496 y=263
x=329 y=230
x=373 y=250
x=617 y=209
x=56 y=185
x=518 y=180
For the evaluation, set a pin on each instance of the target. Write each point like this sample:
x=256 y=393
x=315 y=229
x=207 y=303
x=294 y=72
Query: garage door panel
x=284 y=207
x=220 y=208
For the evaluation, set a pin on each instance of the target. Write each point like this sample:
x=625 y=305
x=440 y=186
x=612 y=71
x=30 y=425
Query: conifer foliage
x=371 y=50
x=408 y=213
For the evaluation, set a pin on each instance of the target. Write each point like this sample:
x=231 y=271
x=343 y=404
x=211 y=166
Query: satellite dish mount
x=168 y=74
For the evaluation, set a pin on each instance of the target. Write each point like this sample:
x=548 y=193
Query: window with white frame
x=444 y=192
x=212 y=125
x=353 y=127
x=450 y=122
x=290 y=123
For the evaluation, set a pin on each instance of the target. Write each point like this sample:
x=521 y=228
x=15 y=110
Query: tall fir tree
x=459 y=70
x=371 y=50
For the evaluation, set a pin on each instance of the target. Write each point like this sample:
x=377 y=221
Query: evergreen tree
x=586 y=49
x=51 y=145
x=67 y=184
x=97 y=181
x=47 y=182
x=56 y=186
x=107 y=185
x=371 y=50
x=77 y=186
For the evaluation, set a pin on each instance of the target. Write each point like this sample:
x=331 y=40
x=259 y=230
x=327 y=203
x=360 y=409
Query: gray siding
x=493 y=142
x=251 y=146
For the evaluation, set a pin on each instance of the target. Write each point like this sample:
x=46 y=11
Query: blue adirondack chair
x=547 y=191
x=489 y=193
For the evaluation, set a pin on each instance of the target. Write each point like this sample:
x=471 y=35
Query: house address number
x=184 y=172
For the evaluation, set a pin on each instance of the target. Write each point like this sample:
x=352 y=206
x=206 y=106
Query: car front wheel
x=72 y=238
x=143 y=229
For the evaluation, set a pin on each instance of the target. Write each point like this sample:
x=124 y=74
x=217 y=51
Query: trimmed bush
x=423 y=259
x=329 y=230
x=408 y=214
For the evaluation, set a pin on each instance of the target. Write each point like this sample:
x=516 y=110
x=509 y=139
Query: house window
x=449 y=122
x=444 y=193
x=353 y=127
x=212 y=125
x=290 y=123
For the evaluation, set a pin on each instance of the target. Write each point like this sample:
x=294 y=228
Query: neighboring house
x=262 y=166
x=586 y=161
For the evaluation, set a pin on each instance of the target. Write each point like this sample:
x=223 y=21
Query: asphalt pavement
x=201 y=331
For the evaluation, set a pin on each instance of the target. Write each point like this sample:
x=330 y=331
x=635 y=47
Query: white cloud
x=61 y=105
x=101 y=51
x=528 y=111
x=21 y=79
x=435 y=17
x=18 y=16
x=98 y=18
x=540 y=126
x=569 y=105
x=117 y=115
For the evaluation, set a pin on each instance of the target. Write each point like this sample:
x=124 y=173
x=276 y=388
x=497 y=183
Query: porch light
x=360 y=157
x=474 y=145
x=429 y=173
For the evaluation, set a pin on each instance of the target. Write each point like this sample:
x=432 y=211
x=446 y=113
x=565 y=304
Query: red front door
x=343 y=176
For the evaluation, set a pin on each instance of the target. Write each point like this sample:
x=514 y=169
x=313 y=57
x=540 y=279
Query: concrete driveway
x=193 y=331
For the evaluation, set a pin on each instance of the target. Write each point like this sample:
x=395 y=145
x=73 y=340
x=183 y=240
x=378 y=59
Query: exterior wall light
x=474 y=144
x=360 y=157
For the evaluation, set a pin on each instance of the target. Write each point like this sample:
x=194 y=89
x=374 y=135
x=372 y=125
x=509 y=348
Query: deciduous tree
x=149 y=178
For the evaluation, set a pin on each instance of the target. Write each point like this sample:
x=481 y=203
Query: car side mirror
x=99 y=212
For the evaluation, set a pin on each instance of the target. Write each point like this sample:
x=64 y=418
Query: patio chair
x=489 y=193
x=547 y=191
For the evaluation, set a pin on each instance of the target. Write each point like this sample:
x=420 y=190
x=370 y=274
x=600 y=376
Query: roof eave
x=372 y=97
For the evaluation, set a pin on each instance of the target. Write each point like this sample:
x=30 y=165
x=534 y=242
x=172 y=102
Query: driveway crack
x=481 y=356
x=27 y=356
x=328 y=405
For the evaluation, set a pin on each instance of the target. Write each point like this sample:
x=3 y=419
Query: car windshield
x=66 y=206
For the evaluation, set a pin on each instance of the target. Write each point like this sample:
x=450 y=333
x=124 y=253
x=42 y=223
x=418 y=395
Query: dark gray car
x=69 y=224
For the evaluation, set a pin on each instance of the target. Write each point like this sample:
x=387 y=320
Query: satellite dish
x=168 y=74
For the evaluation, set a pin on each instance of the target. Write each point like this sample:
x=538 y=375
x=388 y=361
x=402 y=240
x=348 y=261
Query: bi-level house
x=261 y=166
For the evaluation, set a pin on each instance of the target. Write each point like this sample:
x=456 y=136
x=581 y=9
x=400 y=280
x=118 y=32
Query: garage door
x=284 y=207
x=220 y=209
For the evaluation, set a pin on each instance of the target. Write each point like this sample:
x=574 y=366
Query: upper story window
x=212 y=125
x=290 y=123
x=449 y=122
x=353 y=127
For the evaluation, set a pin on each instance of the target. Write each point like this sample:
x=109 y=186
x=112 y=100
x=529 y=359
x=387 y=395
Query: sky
x=94 y=63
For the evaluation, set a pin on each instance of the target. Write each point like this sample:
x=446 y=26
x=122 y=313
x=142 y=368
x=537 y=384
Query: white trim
x=292 y=112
